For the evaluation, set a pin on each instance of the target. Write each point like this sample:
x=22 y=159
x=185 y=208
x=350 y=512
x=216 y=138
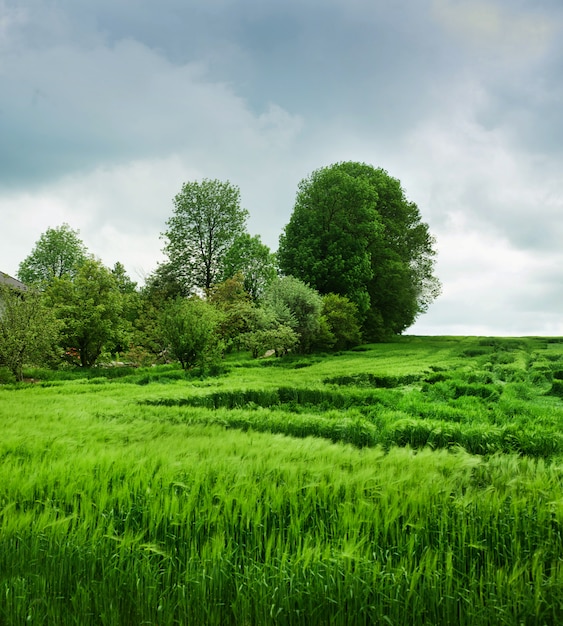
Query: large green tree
x=353 y=232
x=90 y=307
x=207 y=219
x=58 y=252
x=328 y=240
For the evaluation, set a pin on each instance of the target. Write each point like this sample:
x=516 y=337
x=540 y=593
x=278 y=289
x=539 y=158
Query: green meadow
x=412 y=482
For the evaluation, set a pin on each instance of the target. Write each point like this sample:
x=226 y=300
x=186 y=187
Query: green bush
x=189 y=329
x=293 y=303
x=342 y=318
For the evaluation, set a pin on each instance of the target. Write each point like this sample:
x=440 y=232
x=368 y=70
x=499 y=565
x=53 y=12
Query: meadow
x=413 y=482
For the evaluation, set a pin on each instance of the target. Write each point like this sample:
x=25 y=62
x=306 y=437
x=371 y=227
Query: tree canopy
x=58 y=252
x=207 y=219
x=354 y=233
x=90 y=307
x=355 y=263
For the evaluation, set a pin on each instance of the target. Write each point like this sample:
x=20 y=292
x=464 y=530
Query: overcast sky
x=107 y=107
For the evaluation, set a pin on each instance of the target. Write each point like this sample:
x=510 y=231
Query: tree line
x=355 y=263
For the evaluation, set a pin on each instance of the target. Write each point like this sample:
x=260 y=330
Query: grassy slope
x=154 y=499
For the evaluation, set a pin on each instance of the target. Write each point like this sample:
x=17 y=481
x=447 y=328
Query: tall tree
x=58 y=252
x=131 y=307
x=332 y=230
x=124 y=283
x=207 y=219
x=28 y=329
x=90 y=307
x=354 y=233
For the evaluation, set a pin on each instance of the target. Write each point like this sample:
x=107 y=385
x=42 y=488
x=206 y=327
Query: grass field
x=414 y=482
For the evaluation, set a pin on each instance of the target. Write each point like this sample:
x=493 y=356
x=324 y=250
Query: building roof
x=5 y=279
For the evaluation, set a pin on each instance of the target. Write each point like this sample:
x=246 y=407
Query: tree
x=293 y=303
x=28 y=330
x=131 y=306
x=206 y=221
x=254 y=260
x=90 y=307
x=328 y=239
x=58 y=252
x=189 y=329
x=123 y=281
x=354 y=233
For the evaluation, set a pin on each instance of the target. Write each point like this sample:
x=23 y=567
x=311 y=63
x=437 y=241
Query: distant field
x=414 y=482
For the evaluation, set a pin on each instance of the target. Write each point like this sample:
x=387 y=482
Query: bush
x=282 y=339
x=188 y=327
x=341 y=317
x=293 y=303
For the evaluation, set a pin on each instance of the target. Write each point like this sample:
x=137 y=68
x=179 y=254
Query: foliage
x=403 y=285
x=28 y=330
x=328 y=239
x=240 y=315
x=131 y=307
x=206 y=221
x=250 y=257
x=342 y=319
x=281 y=339
x=293 y=303
x=354 y=233
x=90 y=307
x=58 y=252
x=164 y=283
x=229 y=293
x=146 y=344
x=125 y=285
x=189 y=329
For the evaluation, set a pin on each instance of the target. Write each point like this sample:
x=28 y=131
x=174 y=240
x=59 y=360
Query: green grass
x=415 y=482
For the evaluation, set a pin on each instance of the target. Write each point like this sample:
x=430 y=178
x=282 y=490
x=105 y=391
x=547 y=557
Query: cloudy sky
x=107 y=107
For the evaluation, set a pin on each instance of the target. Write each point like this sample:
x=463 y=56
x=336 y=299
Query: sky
x=108 y=107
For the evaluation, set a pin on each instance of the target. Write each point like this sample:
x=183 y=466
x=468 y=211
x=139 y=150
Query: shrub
x=189 y=327
x=282 y=339
x=341 y=316
x=293 y=303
